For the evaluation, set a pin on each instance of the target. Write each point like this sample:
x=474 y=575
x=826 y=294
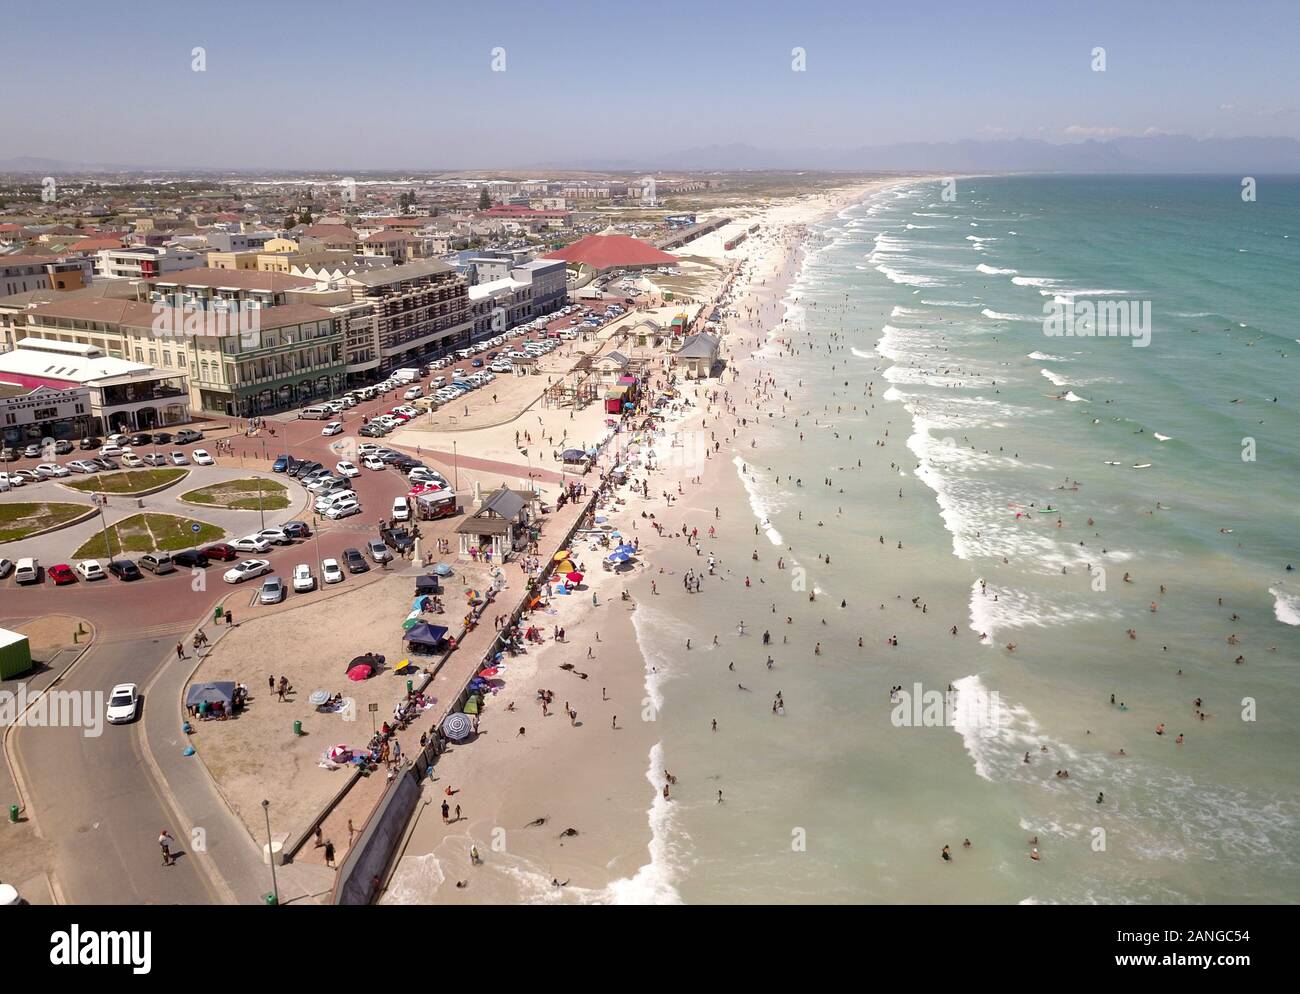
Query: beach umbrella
x=617 y=557
x=615 y=534
x=340 y=754
x=409 y=623
x=488 y=673
x=574 y=577
x=405 y=664
x=442 y=569
x=457 y=726
x=360 y=672
x=471 y=706
x=318 y=697
x=629 y=549
x=562 y=555
x=473 y=595
x=565 y=567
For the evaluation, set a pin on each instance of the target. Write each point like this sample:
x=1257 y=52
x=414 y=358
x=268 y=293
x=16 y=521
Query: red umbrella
x=360 y=672
x=575 y=577
x=488 y=673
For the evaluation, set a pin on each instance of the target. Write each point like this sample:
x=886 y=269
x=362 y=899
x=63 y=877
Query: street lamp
x=455 y=461
x=270 y=853
x=261 y=513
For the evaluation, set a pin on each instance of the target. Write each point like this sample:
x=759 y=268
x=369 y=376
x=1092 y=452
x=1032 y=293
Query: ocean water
x=1049 y=493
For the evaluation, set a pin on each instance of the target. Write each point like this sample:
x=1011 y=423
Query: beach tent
x=426 y=634
x=222 y=691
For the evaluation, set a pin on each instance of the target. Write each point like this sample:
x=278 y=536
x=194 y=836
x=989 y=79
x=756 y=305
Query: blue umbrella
x=628 y=549
x=442 y=569
x=618 y=557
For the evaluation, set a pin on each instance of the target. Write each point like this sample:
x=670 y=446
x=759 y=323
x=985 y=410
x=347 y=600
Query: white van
x=315 y=413
x=437 y=383
x=401 y=510
x=27 y=571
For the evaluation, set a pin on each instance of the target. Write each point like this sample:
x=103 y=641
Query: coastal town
x=398 y=448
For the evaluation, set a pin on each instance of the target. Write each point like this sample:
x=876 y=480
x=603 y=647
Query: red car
x=62 y=574
x=220 y=551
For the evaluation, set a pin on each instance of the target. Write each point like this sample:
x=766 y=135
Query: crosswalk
x=152 y=632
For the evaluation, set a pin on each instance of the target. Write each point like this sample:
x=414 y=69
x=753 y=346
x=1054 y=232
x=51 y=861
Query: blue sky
x=409 y=84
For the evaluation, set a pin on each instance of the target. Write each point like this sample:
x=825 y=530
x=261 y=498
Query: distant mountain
x=1150 y=154
x=1153 y=154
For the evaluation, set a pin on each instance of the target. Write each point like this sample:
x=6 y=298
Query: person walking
x=165 y=841
x=329 y=852
x=180 y=650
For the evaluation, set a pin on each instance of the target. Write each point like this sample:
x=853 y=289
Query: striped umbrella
x=457 y=726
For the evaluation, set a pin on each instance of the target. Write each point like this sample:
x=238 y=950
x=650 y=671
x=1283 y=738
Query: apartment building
x=24 y=273
x=145 y=261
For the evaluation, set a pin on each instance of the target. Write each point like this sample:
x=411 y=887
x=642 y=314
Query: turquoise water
x=916 y=361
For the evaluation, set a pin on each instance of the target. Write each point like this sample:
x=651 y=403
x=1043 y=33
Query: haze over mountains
x=1145 y=154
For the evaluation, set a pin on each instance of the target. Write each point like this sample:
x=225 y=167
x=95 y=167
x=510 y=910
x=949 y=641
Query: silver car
x=272 y=591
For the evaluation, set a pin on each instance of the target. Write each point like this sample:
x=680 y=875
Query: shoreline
x=609 y=789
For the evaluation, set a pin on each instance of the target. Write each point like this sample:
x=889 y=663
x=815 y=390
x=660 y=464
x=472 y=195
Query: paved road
x=94 y=806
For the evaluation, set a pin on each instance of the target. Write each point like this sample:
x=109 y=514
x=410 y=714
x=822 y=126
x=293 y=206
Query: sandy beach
x=519 y=792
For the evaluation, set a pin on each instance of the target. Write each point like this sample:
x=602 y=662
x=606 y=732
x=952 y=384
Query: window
x=153 y=356
x=139 y=354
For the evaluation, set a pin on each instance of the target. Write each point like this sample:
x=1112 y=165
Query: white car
x=201 y=458
x=123 y=703
x=414 y=393
x=179 y=459
x=331 y=570
x=251 y=543
x=327 y=500
x=401 y=510
x=373 y=462
x=49 y=470
x=118 y=438
x=303 y=581
x=321 y=483
x=347 y=469
x=83 y=466
x=12 y=480
x=365 y=448
x=276 y=536
x=110 y=450
x=343 y=509
x=333 y=428
x=90 y=570
x=131 y=461
x=246 y=570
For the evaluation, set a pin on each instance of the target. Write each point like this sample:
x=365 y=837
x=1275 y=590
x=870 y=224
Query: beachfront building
x=119 y=395
x=145 y=262
x=698 y=355
x=237 y=359
x=30 y=415
x=413 y=310
x=597 y=254
x=498 y=527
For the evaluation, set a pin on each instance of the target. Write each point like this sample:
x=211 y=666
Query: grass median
x=131 y=481
x=149 y=533
x=19 y=520
x=242 y=495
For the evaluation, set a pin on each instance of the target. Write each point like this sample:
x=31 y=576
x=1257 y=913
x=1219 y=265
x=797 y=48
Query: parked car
x=276 y=536
x=379 y=552
x=331 y=571
x=246 y=570
x=62 y=447
x=157 y=563
x=401 y=510
x=154 y=459
x=272 y=591
x=303 y=581
x=282 y=464
x=179 y=459
x=104 y=463
x=190 y=559
x=373 y=462
x=90 y=442
x=30 y=475
x=27 y=570
x=251 y=543
x=124 y=569
x=110 y=450
x=187 y=435
x=50 y=470
x=131 y=461
x=343 y=509
x=123 y=704
x=296 y=529
x=304 y=468
x=6 y=567
x=202 y=458
x=89 y=569
x=142 y=439
x=333 y=428
x=162 y=438
x=354 y=561
x=83 y=466
x=61 y=574
x=220 y=551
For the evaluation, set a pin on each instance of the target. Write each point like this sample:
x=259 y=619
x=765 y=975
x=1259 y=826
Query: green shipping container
x=15 y=654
